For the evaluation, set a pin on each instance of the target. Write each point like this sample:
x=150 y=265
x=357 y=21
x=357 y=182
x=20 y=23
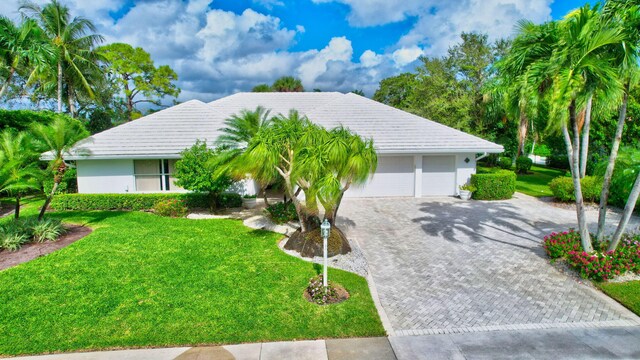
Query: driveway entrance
x=445 y=266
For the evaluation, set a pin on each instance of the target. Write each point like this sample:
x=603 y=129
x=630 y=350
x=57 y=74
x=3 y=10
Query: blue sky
x=223 y=46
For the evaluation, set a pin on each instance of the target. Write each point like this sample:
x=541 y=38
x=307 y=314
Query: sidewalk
x=592 y=343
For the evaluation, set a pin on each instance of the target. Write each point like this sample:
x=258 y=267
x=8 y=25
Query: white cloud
x=315 y=63
x=406 y=55
x=370 y=59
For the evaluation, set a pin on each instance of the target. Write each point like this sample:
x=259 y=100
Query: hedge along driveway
x=141 y=201
x=142 y=280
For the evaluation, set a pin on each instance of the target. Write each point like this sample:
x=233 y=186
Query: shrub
x=13 y=241
x=542 y=150
x=47 y=230
x=496 y=185
x=558 y=162
x=281 y=213
x=141 y=201
x=523 y=164
x=558 y=245
x=505 y=163
x=563 y=190
x=171 y=207
x=227 y=200
x=196 y=171
x=319 y=294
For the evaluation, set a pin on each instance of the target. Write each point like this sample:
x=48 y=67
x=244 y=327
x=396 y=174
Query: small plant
x=558 y=245
x=320 y=295
x=47 y=230
x=467 y=187
x=171 y=207
x=505 y=163
x=282 y=213
x=13 y=241
x=523 y=164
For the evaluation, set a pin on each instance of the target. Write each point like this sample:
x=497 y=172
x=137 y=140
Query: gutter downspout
x=484 y=155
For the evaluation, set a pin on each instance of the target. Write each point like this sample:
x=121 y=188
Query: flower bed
x=600 y=265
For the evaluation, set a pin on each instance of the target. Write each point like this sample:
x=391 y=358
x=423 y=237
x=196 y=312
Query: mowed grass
x=536 y=182
x=140 y=280
x=626 y=293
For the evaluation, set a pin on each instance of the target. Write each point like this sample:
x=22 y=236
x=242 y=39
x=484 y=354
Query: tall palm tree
x=19 y=171
x=627 y=55
x=74 y=40
x=287 y=84
x=238 y=132
x=22 y=46
x=57 y=139
x=630 y=160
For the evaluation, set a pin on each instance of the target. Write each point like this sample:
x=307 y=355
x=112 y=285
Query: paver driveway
x=444 y=265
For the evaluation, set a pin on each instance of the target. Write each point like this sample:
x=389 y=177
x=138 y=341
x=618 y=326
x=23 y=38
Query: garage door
x=438 y=175
x=394 y=177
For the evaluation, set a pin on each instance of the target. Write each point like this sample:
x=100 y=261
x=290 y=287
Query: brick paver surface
x=445 y=266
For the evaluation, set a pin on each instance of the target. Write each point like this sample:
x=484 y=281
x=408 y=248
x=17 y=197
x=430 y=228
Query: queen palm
x=74 y=41
x=18 y=166
x=22 y=46
x=57 y=139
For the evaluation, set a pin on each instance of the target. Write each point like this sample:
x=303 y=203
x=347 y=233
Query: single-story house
x=417 y=157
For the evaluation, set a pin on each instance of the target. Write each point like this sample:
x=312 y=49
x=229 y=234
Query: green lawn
x=536 y=183
x=143 y=280
x=627 y=293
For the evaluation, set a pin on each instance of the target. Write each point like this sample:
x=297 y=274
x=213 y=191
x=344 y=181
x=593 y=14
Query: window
x=154 y=175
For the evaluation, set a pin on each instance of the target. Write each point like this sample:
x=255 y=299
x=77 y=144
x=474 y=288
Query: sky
x=221 y=47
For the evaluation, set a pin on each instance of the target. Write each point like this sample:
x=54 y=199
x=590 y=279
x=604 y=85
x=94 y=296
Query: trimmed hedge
x=562 y=188
x=523 y=164
x=497 y=185
x=141 y=201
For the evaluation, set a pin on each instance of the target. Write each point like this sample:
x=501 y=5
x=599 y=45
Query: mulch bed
x=34 y=250
x=341 y=295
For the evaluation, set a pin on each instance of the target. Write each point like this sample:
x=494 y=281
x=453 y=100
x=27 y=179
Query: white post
x=325 y=231
x=324 y=276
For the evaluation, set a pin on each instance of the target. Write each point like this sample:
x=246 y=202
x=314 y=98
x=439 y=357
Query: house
x=417 y=157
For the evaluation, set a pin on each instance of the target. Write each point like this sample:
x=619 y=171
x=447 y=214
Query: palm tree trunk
x=16 y=213
x=626 y=215
x=606 y=183
x=522 y=133
x=573 y=151
x=263 y=188
x=48 y=200
x=6 y=84
x=59 y=86
x=71 y=101
x=585 y=138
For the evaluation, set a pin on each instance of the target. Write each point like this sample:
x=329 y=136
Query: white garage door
x=438 y=175
x=394 y=177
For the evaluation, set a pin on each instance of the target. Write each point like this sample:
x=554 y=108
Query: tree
x=19 y=171
x=22 y=47
x=137 y=76
x=193 y=171
x=395 y=91
x=287 y=84
x=627 y=16
x=630 y=162
x=261 y=88
x=73 y=40
x=358 y=92
x=57 y=139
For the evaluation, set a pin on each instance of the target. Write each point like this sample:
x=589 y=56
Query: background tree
x=57 y=139
x=358 y=92
x=261 y=88
x=75 y=60
x=287 y=84
x=137 y=76
x=396 y=90
x=19 y=170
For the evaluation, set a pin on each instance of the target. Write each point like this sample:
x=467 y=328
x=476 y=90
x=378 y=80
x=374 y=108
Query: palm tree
x=21 y=47
x=238 y=132
x=287 y=84
x=57 y=139
x=630 y=161
x=18 y=166
x=261 y=88
x=627 y=56
x=74 y=40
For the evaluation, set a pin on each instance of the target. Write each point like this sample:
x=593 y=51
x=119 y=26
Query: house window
x=154 y=175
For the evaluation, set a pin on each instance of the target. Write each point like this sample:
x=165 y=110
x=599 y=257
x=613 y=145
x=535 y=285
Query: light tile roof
x=166 y=133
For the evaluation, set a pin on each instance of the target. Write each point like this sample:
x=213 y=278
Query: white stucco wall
x=464 y=170
x=105 y=176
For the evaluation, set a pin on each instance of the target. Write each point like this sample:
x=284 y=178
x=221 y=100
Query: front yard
x=142 y=280
x=536 y=182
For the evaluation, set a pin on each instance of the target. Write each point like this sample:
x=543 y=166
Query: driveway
x=442 y=265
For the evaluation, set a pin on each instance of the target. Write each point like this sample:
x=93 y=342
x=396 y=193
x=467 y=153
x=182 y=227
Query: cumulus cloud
x=406 y=55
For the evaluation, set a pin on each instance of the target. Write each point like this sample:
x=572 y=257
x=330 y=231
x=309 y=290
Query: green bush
x=558 y=162
x=13 y=241
x=505 y=163
x=562 y=188
x=171 y=207
x=523 y=164
x=281 y=213
x=542 y=150
x=47 y=230
x=496 y=185
x=141 y=201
